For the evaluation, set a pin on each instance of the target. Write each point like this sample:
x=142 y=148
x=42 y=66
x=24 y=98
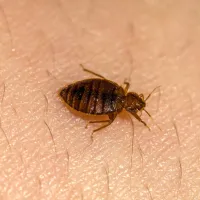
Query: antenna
x=152 y=119
x=151 y=93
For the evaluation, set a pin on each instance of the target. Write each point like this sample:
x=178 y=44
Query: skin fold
x=45 y=150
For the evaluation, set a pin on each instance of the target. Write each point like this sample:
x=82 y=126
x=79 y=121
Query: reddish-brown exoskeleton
x=100 y=96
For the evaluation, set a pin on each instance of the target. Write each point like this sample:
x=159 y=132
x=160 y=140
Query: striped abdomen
x=94 y=96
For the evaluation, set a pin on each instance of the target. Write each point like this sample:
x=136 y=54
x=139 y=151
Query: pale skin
x=45 y=150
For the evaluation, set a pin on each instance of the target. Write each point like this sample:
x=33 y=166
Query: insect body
x=100 y=96
x=94 y=96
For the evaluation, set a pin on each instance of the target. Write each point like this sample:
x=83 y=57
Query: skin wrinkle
x=46 y=105
x=3 y=94
x=39 y=186
x=14 y=109
x=150 y=195
x=51 y=134
x=177 y=134
x=166 y=165
x=131 y=155
x=67 y=153
x=8 y=27
x=5 y=135
x=107 y=180
x=181 y=175
x=179 y=159
x=132 y=142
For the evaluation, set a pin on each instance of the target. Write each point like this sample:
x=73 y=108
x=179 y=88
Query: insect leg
x=111 y=116
x=91 y=72
x=94 y=122
x=139 y=119
x=141 y=96
x=127 y=85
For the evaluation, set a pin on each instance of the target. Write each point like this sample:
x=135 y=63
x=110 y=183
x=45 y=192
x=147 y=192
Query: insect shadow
x=100 y=96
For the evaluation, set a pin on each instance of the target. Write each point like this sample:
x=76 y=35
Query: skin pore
x=45 y=150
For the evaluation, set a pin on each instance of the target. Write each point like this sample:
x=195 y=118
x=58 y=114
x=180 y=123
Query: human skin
x=45 y=150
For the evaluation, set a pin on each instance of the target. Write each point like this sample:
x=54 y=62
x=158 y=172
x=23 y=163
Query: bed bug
x=100 y=96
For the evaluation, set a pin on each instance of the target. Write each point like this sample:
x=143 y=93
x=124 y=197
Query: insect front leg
x=138 y=118
x=127 y=85
x=111 y=116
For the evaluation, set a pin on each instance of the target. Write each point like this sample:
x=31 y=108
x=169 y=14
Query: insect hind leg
x=91 y=72
x=111 y=116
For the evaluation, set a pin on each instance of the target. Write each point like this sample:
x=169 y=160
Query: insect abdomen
x=93 y=96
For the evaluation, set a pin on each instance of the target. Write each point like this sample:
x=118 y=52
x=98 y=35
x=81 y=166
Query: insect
x=100 y=96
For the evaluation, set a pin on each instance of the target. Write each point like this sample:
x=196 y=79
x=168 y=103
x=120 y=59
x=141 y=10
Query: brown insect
x=100 y=96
